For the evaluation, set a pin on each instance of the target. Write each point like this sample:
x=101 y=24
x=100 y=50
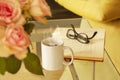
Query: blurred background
x=59 y=12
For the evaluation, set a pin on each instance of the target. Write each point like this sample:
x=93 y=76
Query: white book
x=94 y=50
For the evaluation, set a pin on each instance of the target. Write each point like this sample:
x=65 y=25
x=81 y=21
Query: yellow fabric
x=112 y=41
x=99 y=10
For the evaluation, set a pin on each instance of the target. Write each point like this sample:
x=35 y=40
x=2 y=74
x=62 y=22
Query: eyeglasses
x=81 y=37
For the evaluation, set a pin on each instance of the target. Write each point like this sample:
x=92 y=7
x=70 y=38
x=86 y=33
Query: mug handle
x=72 y=56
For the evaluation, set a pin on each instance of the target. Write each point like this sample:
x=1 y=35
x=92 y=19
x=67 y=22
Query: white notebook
x=91 y=51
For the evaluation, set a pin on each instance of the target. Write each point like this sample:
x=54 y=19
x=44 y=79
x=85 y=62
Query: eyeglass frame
x=83 y=36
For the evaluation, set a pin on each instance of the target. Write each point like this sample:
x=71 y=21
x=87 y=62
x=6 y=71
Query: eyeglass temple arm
x=93 y=35
x=73 y=28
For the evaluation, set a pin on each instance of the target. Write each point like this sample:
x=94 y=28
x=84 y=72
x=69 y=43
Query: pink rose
x=24 y=3
x=17 y=40
x=39 y=9
x=2 y=32
x=10 y=12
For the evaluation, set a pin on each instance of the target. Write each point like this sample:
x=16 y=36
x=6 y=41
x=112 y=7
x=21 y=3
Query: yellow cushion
x=99 y=10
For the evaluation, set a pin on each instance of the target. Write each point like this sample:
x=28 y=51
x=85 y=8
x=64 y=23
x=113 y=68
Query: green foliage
x=2 y=66
x=13 y=64
x=32 y=64
x=28 y=27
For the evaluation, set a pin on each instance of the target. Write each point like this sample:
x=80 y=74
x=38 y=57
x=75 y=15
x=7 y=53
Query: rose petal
x=5 y=51
x=39 y=9
x=21 y=55
x=10 y=12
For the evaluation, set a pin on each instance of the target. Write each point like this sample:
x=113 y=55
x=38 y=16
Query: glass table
x=86 y=70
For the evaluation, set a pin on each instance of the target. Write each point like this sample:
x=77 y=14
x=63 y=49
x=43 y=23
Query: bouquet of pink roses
x=14 y=37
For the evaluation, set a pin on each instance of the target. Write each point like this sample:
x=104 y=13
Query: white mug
x=52 y=50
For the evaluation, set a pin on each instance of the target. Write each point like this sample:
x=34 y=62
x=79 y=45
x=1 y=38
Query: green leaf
x=13 y=64
x=32 y=64
x=2 y=66
x=28 y=27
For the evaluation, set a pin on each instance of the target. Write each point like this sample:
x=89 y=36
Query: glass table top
x=86 y=70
